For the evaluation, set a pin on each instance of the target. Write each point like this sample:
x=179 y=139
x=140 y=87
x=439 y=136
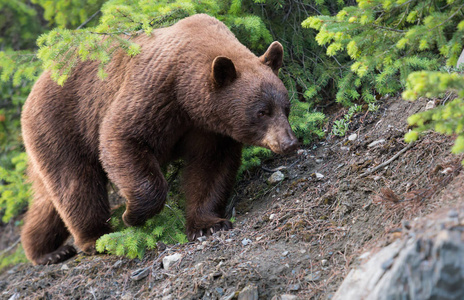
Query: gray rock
x=169 y=260
x=426 y=264
x=353 y=137
x=460 y=60
x=250 y=292
x=276 y=177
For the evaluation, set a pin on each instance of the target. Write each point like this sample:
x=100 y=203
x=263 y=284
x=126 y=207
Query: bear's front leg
x=132 y=166
x=212 y=162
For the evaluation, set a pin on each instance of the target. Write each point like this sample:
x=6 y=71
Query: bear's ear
x=273 y=57
x=223 y=71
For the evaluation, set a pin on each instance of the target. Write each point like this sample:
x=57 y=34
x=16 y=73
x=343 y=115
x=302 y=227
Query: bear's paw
x=61 y=254
x=220 y=225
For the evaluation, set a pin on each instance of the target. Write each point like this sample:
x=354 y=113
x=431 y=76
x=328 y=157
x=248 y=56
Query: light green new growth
x=14 y=194
x=167 y=227
x=387 y=40
x=447 y=119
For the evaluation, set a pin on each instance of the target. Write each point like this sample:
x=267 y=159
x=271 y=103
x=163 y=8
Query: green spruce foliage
x=14 y=193
x=167 y=227
x=447 y=119
x=387 y=40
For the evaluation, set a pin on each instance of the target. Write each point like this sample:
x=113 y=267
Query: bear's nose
x=290 y=143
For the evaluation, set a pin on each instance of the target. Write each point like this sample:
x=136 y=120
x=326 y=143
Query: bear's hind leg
x=44 y=232
x=83 y=204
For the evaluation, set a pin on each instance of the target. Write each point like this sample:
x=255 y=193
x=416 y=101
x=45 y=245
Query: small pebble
x=285 y=253
x=294 y=287
x=288 y=297
x=272 y=216
x=201 y=238
x=324 y=262
x=64 y=267
x=447 y=171
x=169 y=260
x=276 y=177
x=353 y=137
x=375 y=143
x=246 y=241
x=319 y=175
x=220 y=291
x=430 y=105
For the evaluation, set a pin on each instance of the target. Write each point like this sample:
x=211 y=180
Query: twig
x=278 y=168
x=449 y=18
x=387 y=162
x=388 y=28
x=11 y=247
x=89 y=19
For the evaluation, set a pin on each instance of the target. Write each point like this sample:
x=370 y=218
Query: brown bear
x=194 y=92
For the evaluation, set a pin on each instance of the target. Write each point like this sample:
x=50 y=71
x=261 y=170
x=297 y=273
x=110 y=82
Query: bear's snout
x=290 y=143
x=280 y=138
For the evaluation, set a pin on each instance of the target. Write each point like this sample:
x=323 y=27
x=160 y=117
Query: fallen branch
x=11 y=247
x=278 y=168
x=387 y=162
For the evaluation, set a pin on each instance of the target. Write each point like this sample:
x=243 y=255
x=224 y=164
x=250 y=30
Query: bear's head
x=254 y=101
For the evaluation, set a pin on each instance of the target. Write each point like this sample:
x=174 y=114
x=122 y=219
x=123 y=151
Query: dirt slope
x=298 y=237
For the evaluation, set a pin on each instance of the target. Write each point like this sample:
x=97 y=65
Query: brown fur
x=194 y=92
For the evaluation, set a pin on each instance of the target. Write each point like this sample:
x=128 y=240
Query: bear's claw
x=61 y=254
x=223 y=225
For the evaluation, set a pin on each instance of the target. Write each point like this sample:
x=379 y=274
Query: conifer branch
x=388 y=28
x=449 y=18
x=89 y=19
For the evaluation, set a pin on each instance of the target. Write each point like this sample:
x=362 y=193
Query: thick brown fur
x=194 y=92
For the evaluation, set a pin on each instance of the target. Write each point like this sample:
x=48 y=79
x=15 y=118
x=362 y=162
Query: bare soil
x=299 y=237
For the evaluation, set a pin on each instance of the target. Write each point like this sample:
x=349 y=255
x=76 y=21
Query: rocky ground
x=295 y=239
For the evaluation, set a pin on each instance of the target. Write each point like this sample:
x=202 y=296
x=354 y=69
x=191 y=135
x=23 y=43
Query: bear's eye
x=262 y=113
